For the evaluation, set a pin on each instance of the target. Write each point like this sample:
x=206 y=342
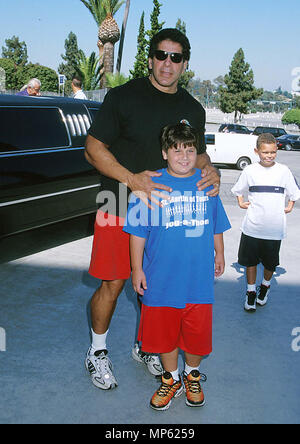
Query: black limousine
x=44 y=176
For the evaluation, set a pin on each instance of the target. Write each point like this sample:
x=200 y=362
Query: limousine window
x=31 y=128
x=209 y=139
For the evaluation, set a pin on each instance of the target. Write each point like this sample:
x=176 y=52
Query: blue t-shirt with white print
x=179 y=250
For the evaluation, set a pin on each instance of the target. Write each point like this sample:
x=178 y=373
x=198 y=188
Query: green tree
x=187 y=76
x=143 y=41
x=292 y=117
x=140 y=68
x=121 y=44
x=47 y=76
x=98 y=10
x=239 y=89
x=155 y=25
x=89 y=71
x=109 y=34
x=15 y=51
x=117 y=79
x=181 y=26
x=71 y=57
x=10 y=73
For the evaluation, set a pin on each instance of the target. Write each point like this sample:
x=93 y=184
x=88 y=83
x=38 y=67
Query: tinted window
x=31 y=128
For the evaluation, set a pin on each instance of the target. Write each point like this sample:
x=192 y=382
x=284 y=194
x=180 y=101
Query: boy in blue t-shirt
x=176 y=250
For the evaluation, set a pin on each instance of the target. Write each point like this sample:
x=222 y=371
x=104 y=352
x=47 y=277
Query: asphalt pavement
x=252 y=374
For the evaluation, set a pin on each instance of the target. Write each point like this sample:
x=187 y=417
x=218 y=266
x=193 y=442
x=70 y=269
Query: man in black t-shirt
x=123 y=145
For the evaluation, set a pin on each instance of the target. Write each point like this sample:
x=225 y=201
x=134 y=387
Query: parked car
x=277 y=132
x=231 y=149
x=288 y=142
x=233 y=128
x=44 y=176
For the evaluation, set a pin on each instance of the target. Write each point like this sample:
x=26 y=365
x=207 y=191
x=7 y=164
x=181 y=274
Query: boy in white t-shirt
x=264 y=226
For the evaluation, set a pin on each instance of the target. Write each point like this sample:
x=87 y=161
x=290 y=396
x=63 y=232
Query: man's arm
x=98 y=155
x=210 y=175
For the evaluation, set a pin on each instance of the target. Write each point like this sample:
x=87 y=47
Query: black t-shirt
x=130 y=121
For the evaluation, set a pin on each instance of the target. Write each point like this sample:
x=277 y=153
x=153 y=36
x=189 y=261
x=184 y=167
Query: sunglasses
x=176 y=57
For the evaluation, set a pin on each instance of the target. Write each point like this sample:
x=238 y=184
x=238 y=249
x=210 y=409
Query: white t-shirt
x=80 y=95
x=267 y=189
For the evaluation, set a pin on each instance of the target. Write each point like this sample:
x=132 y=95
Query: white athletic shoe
x=250 y=302
x=152 y=361
x=100 y=368
x=262 y=294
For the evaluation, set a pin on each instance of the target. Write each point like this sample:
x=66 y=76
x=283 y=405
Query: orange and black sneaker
x=192 y=388
x=169 y=389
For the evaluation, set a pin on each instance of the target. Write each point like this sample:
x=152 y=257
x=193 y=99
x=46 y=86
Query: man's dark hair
x=180 y=133
x=77 y=82
x=174 y=35
x=265 y=138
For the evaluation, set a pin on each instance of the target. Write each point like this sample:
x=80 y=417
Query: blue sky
x=267 y=30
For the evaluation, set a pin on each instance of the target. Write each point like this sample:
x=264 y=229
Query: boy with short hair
x=173 y=267
x=264 y=226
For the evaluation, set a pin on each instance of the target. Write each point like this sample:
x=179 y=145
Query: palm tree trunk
x=108 y=59
x=101 y=52
x=120 y=52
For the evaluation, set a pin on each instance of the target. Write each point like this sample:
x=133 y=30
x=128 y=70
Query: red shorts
x=163 y=329
x=110 y=258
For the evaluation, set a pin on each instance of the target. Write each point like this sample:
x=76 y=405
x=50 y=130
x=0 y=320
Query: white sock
x=188 y=369
x=175 y=375
x=251 y=287
x=98 y=341
x=266 y=283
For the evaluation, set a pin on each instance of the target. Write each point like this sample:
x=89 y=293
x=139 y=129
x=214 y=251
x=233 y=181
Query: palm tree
x=117 y=79
x=120 y=53
x=89 y=70
x=96 y=8
x=109 y=34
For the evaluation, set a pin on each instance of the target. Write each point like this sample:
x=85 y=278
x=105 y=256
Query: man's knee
x=111 y=289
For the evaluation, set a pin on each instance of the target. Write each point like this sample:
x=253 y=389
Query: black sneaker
x=262 y=294
x=250 y=303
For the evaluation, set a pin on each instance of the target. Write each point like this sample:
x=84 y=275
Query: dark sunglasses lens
x=161 y=55
x=176 y=57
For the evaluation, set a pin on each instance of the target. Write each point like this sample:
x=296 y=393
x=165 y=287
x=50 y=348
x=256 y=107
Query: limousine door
x=44 y=177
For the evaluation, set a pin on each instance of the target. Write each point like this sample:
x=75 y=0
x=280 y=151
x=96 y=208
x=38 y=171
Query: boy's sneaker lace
x=192 y=388
x=262 y=294
x=100 y=368
x=250 y=303
x=152 y=361
x=169 y=389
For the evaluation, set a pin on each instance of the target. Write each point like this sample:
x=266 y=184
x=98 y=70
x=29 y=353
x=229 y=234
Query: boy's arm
x=219 y=254
x=240 y=188
x=289 y=206
x=242 y=204
x=137 y=245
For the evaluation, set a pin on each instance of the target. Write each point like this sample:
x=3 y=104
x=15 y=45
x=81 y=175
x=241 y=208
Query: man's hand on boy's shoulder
x=142 y=185
x=210 y=176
